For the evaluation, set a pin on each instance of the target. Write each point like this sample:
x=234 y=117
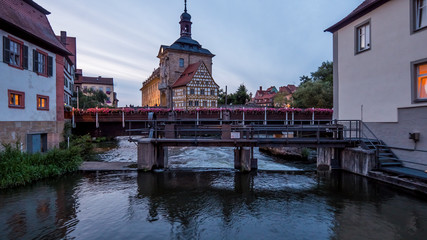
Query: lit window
x=420 y=14
x=363 y=37
x=422 y=81
x=181 y=62
x=42 y=102
x=16 y=99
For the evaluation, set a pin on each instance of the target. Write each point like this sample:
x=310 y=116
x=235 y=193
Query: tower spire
x=185 y=22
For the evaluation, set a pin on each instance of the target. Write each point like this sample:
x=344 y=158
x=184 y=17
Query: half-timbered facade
x=195 y=88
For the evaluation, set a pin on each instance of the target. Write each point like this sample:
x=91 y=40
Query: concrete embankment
x=363 y=162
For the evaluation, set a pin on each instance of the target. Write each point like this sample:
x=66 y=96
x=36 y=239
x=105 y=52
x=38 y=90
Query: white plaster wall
x=29 y=82
x=379 y=79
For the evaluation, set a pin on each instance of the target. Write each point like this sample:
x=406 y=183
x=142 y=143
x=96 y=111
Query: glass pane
x=422 y=87
x=422 y=69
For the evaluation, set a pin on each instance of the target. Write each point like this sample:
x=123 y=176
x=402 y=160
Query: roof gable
x=187 y=75
x=30 y=19
x=364 y=8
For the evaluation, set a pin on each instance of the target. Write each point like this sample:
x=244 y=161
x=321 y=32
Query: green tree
x=317 y=90
x=241 y=96
x=92 y=98
x=280 y=100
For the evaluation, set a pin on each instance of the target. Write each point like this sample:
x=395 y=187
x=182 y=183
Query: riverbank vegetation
x=19 y=168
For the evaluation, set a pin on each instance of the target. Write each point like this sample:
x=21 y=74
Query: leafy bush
x=17 y=168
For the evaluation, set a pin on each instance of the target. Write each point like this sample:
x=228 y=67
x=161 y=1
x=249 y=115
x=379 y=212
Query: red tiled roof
x=97 y=80
x=364 y=8
x=264 y=95
x=187 y=75
x=31 y=21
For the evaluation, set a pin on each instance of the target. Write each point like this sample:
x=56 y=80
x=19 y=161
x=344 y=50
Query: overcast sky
x=256 y=42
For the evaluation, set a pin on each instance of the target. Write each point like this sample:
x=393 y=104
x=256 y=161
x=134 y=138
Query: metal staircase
x=386 y=158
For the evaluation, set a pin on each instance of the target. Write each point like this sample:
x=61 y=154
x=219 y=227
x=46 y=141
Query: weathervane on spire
x=185 y=2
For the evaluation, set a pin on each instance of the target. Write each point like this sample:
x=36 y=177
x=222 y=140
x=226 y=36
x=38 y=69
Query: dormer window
x=363 y=37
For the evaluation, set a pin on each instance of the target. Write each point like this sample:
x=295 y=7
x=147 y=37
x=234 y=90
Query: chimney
x=99 y=77
x=64 y=37
x=260 y=88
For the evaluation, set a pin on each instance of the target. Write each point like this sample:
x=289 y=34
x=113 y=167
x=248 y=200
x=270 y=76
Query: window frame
x=37 y=55
x=202 y=92
x=181 y=62
x=368 y=37
x=22 y=96
x=46 y=98
x=414 y=14
x=414 y=77
x=23 y=49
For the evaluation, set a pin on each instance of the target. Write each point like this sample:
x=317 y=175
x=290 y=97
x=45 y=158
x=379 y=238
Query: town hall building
x=184 y=74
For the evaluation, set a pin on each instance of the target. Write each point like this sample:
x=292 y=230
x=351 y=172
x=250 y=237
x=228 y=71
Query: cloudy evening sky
x=256 y=42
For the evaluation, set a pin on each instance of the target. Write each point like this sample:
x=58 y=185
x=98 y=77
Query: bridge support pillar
x=242 y=159
x=151 y=156
x=325 y=157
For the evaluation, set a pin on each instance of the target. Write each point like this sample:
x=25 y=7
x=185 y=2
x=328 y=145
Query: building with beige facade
x=174 y=60
x=380 y=73
x=150 y=90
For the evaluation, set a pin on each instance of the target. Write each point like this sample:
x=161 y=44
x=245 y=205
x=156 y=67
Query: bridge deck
x=260 y=142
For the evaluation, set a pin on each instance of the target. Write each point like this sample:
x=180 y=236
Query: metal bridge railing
x=252 y=129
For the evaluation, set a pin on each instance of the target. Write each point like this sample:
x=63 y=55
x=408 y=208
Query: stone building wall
x=17 y=131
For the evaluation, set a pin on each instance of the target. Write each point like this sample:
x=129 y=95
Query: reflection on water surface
x=211 y=205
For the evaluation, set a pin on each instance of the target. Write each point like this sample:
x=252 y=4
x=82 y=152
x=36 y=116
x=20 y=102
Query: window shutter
x=25 y=63
x=6 y=50
x=50 y=66
x=35 y=61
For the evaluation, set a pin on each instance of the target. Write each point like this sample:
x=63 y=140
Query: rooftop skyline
x=256 y=43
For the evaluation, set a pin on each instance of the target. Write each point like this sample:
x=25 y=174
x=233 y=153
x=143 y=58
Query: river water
x=212 y=202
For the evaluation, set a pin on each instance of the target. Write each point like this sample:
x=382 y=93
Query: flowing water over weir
x=210 y=203
x=199 y=157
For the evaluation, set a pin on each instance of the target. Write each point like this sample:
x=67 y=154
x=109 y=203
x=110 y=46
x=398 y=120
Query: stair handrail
x=377 y=152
